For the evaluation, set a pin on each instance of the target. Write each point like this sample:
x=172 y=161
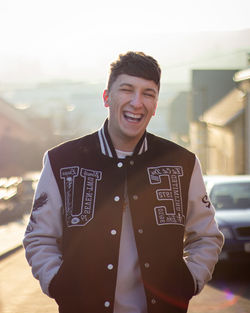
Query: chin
x=133 y=135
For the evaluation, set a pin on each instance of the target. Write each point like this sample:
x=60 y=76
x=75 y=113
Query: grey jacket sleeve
x=203 y=240
x=44 y=231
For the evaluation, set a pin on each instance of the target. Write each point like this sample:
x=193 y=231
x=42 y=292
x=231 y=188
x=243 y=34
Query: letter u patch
x=89 y=178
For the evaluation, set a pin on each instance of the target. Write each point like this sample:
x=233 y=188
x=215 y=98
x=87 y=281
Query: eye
x=126 y=89
x=150 y=95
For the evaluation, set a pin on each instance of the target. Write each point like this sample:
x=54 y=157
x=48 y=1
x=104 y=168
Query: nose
x=136 y=100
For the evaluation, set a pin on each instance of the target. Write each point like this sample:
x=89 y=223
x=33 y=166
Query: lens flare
x=231 y=298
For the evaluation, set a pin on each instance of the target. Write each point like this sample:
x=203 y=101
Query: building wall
x=238 y=129
x=198 y=142
x=247 y=131
x=221 y=159
x=221 y=150
x=208 y=87
x=226 y=149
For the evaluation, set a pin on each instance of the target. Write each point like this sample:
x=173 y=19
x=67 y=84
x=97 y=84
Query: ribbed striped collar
x=107 y=147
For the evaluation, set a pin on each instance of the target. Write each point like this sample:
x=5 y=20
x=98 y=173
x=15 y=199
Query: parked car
x=230 y=195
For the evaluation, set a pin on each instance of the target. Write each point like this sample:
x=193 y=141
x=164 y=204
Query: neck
x=123 y=144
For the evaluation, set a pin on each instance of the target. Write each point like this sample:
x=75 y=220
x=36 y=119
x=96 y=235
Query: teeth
x=131 y=115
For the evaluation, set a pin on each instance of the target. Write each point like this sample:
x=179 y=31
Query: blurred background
x=55 y=57
x=54 y=63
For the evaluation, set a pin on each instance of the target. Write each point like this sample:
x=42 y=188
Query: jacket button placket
x=147 y=265
x=119 y=164
x=135 y=197
x=113 y=232
x=107 y=304
x=153 y=301
x=110 y=266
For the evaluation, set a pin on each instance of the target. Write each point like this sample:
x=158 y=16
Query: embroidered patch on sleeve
x=207 y=202
x=38 y=203
x=29 y=228
x=41 y=201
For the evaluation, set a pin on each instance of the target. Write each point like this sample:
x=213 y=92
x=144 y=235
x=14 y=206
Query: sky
x=78 y=39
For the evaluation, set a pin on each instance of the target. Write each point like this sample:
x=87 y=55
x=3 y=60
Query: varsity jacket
x=72 y=240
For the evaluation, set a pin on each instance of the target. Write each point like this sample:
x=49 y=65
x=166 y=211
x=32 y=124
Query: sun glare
x=40 y=38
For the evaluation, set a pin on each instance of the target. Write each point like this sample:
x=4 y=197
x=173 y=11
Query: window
x=231 y=196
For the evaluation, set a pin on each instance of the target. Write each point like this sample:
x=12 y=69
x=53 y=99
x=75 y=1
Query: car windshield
x=231 y=196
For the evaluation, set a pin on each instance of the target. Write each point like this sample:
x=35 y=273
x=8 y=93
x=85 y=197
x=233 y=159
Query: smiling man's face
x=132 y=102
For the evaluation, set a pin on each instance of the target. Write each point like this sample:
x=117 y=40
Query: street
x=229 y=291
x=19 y=292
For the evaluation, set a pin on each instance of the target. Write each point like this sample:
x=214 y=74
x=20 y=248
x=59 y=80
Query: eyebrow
x=126 y=85
x=131 y=86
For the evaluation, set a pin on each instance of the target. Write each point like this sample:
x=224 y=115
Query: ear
x=105 y=98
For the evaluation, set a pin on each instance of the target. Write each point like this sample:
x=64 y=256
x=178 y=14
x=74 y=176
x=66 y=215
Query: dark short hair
x=135 y=64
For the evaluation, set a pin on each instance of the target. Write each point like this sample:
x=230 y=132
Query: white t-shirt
x=129 y=294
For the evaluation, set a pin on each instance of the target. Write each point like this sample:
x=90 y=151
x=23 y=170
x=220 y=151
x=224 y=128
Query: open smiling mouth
x=130 y=117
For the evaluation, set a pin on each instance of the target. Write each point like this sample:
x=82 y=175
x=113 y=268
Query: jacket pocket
x=187 y=280
x=64 y=286
x=57 y=284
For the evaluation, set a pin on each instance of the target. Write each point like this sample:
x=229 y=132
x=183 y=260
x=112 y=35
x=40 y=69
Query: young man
x=121 y=221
